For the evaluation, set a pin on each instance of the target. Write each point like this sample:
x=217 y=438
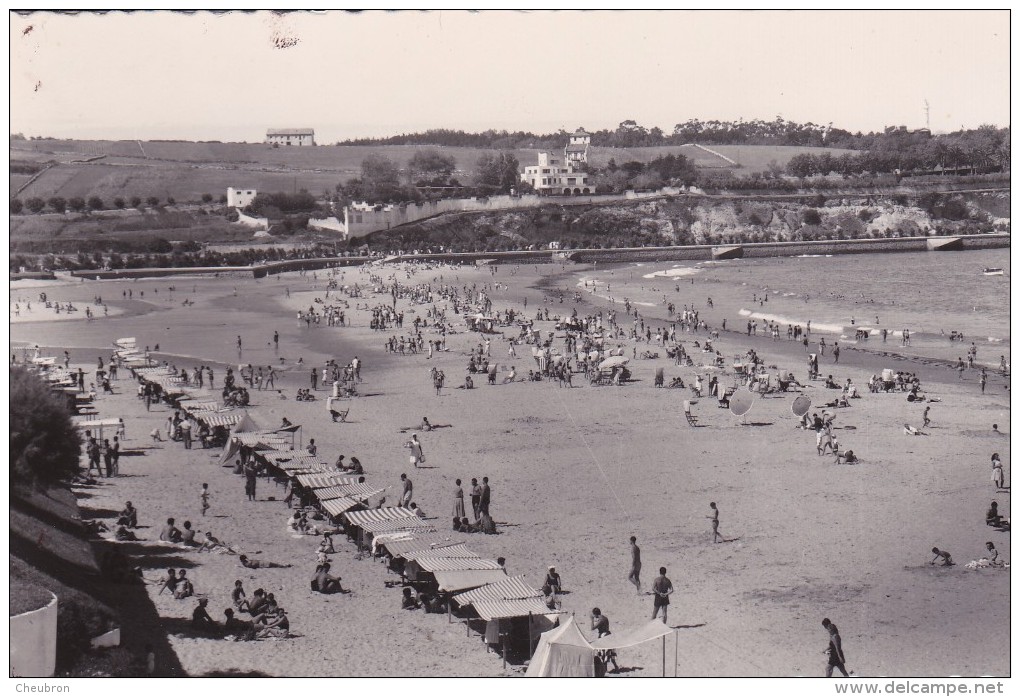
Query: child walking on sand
x=205 y=498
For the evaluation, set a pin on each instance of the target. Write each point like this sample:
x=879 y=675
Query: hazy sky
x=229 y=77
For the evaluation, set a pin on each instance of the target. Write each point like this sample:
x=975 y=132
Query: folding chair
x=691 y=418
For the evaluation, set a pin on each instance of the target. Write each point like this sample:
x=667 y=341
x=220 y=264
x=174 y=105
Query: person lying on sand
x=211 y=544
x=125 y=535
x=909 y=430
x=947 y=559
x=261 y=563
x=846 y=458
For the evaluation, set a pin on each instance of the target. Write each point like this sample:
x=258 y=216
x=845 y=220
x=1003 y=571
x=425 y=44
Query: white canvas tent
x=562 y=652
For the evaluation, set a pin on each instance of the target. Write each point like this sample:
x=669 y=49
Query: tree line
x=630 y=134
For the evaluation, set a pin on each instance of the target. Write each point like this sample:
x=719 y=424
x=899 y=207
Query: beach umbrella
x=741 y=402
x=614 y=362
x=801 y=405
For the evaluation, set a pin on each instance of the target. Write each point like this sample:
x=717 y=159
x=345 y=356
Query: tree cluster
x=45 y=444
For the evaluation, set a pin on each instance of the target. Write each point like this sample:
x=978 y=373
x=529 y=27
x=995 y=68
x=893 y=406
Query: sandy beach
x=574 y=473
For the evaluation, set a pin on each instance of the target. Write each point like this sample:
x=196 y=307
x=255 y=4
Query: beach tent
x=341 y=505
x=398 y=544
x=512 y=588
x=323 y=481
x=461 y=580
x=103 y=428
x=420 y=568
x=651 y=630
x=562 y=652
x=457 y=549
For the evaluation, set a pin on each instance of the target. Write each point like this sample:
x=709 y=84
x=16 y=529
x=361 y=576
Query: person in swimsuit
x=662 y=588
x=635 y=564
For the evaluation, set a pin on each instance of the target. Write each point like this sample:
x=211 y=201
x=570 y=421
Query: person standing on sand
x=407 y=494
x=984 y=379
x=998 y=478
x=926 y=419
x=458 y=501
x=716 y=537
x=476 y=497
x=315 y=380
x=483 y=503
x=835 y=353
x=635 y=564
x=276 y=340
x=238 y=342
x=662 y=588
x=417 y=456
x=204 y=496
x=834 y=650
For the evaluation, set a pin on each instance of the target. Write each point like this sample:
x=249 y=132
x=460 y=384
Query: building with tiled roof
x=290 y=136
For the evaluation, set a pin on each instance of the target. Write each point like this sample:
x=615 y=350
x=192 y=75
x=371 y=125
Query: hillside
x=695 y=220
x=185 y=170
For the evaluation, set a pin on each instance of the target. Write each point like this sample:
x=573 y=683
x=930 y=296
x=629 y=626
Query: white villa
x=239 y=198
x=562 y=175
x=290 y=136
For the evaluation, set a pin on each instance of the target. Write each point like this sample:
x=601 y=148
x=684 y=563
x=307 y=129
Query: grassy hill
x=186 y=170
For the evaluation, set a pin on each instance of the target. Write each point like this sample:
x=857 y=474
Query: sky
x=204 y=76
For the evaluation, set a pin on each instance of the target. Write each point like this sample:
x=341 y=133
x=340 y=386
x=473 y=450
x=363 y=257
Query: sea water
x=929 y=293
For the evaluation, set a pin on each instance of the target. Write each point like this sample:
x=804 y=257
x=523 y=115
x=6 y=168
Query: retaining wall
x=34 y=642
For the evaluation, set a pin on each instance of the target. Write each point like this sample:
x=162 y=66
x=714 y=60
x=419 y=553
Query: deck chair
x=691 y=418
x=340 y=414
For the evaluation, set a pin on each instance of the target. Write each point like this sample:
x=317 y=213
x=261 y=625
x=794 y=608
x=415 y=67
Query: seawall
x=755 y=250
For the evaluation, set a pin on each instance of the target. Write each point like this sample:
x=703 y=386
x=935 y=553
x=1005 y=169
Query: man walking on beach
x=239 y=343
x=635 y=564
x=835 y=353
x=835 y=650
x=417 y=456
x=716 y=537
x=662 y=588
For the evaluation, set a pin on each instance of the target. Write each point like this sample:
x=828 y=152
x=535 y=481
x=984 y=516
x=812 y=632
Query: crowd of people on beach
x=586 y=341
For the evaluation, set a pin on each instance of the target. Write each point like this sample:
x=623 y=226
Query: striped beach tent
x=512 y=588
x=402 y=546
x=433 y=564
x=461 y=580
x=339 y=506
x=455 y=550
x=335 y=492
x=323 y=481
x=214 y=420
x=503 y=609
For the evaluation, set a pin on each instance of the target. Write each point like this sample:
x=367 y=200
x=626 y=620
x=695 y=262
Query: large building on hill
x=290 y=136
x=576 y=152
x=562 y=175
